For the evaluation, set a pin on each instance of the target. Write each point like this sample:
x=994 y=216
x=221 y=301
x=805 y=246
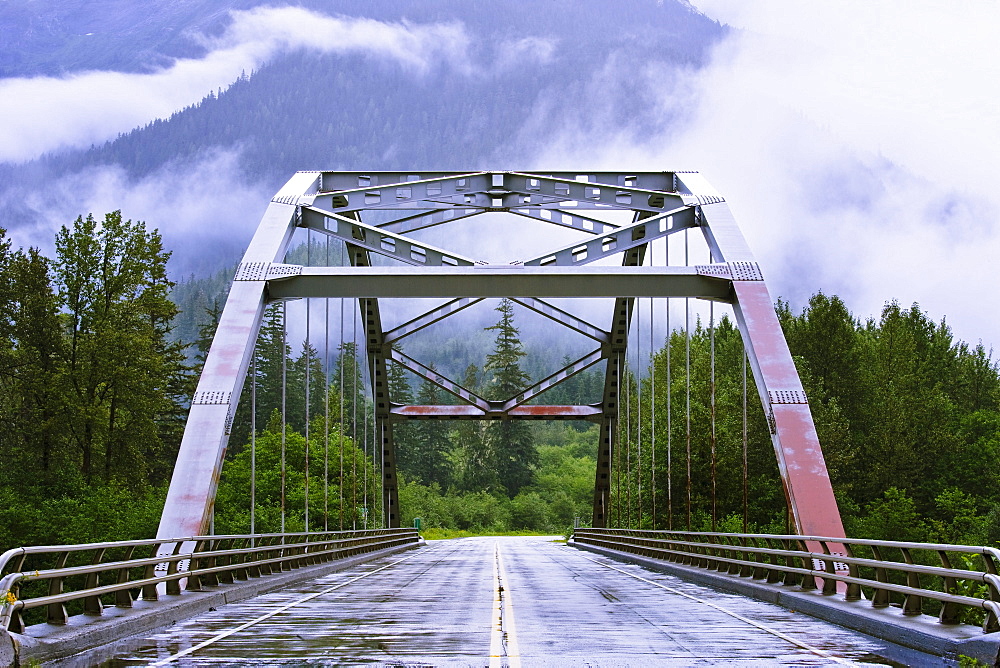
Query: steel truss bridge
x=351 y=595
x=388 y=261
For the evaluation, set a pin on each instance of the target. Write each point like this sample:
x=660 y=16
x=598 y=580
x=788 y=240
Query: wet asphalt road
x=500 y=602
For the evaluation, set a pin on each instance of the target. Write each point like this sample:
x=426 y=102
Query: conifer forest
x=100 y=351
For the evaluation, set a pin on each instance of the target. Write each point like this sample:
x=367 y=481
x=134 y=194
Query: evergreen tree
x=347 y=377
x=510 y=442
x=478 y=469
x=429 y=462
x=306 y=365
x=407 y=457
x=272 y=353
x=33 y=371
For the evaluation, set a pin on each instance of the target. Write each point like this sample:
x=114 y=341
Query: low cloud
x=205 y=211
x=42 y=114
x=857 y=143
x=532 y=49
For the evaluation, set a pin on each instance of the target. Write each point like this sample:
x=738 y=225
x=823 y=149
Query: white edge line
x=226 y=634
x=794 y=641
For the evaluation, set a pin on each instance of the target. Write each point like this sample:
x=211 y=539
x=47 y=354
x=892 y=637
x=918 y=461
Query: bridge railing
x=877 y=570
x=53 y=576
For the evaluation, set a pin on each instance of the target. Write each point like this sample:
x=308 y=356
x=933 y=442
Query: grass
x=434 y=533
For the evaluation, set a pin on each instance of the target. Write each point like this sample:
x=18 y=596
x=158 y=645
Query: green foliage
x=118 y=368
x=87 y=514
x=560 y=495
x=422 y=451
x=908 y=418
x=350 y=479
x=91 y=387
x=894 y=517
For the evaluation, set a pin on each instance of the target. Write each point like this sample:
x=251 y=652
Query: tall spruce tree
x=347 y=371
x=478 y=465
x=510 y=442
x=430 y=441
x=271 y=352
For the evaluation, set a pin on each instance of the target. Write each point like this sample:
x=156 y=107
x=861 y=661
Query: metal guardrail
x=789 y=560
x=138 y=566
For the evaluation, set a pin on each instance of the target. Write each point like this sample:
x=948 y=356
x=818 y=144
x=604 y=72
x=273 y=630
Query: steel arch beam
x=796 y=443
x=191 y=495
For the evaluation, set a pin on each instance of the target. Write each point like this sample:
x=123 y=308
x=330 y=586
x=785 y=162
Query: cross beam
x=512 y=281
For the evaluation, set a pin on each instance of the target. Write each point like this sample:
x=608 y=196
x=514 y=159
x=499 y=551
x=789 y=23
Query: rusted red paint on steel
x=554 y=411
x=195 y=478
x=797 y=445
x=436 y=411
x=523 y=412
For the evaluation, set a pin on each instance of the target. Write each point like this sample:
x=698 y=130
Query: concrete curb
x=83 y=634
x=923 y=634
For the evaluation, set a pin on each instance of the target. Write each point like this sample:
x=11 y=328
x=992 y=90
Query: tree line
x=908 y=418
x=94 y=388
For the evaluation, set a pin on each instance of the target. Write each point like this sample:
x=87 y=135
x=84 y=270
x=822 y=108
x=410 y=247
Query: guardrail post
x=991 y=623
x=759 y=571
x=720 y=552
x=745 y=569
x=949 y=613
x=242 y=572
x=912 y=604
x=123 y=597
x=853 y=589
x=149 y=592
x=92 y=604
x=736 y=554
x=808 y=581
x=252 y=556
x=16 y=623
x=262 y=545
x=210 y=579
x=774 y=575
x=829 y=584
x=174 y=585
x=225 y=576
x=194 y=580
x=788 y=544
x=57 y=611
x=880 y=599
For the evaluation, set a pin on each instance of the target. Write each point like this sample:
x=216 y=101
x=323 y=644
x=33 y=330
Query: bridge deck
x=501 y=601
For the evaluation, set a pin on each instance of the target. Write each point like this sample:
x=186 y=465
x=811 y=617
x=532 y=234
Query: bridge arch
x=660 y=203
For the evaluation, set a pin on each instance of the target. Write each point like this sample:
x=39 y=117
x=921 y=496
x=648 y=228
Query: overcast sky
x=857 y=142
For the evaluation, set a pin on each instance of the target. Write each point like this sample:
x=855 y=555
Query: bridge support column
x=390 y=487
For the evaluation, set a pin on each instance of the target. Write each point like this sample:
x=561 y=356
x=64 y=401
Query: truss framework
x=661 y=203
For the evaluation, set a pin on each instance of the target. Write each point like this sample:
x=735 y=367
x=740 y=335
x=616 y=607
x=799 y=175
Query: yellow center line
x=496 y=637
x=510 y=635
